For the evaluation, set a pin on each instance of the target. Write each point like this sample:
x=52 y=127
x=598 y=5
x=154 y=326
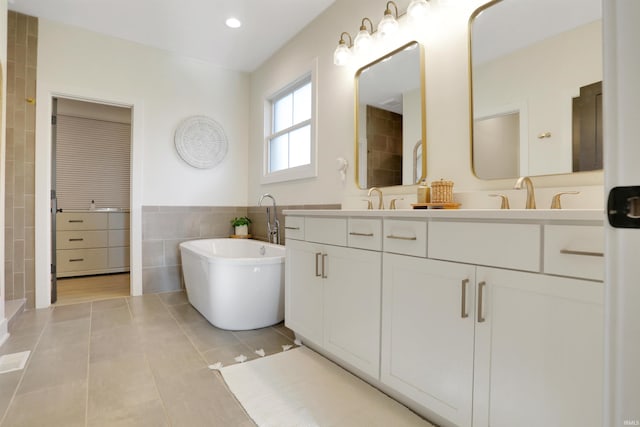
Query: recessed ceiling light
x=233 y=23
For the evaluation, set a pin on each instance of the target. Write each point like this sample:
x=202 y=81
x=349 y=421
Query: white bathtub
x=237 y=284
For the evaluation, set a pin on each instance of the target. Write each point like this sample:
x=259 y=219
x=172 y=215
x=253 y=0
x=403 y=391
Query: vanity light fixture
x=363 y=39
x=389 y=23
x=343 y=52
x=418 y=8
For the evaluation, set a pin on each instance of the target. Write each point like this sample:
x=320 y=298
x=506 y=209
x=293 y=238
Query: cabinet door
x=352 y=307
x=304 y=289
x=539 y=351
x=427 y=333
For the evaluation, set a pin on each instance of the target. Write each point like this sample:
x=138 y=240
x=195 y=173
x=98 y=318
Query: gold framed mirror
x=535 y=71
x=390 y=122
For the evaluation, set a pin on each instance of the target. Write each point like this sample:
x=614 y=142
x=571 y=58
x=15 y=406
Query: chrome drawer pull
x=583 y=253
x=354 y=233
x=76 y=240
x=463 y=305
x=291 y=228
x=481 y=286
x=76 y=220
x=76 y=260
x=391 y=236
x=317 y=255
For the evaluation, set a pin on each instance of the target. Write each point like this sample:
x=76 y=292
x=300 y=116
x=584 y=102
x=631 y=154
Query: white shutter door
x=92 y=163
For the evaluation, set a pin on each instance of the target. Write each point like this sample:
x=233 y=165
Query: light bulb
x=362 y=41
x=418 y=8
x=342 y=54
x=388 y=25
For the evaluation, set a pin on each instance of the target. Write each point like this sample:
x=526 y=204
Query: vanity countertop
x=97 y=210
x=470 y=214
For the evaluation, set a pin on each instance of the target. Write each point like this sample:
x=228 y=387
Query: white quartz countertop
x=96 y=210
x=470 y=214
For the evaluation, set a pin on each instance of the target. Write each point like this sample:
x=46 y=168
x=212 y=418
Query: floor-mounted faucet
x=531 y=198
x=273 y=228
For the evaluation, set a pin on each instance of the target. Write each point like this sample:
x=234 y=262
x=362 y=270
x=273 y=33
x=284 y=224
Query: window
x=290 y=139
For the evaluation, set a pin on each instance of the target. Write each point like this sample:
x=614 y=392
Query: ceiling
x=194 y=28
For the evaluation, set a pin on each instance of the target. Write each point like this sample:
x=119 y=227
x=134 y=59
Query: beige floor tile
x=227 y=354
x=18 y=343
x=186 y=314
x=108 y=304
x=207 y=337
x=200 y=398
x=175 y=357
x=148 y=414
x=174 y=298
x=266 y=339
x=284 y=331
x=55 y=367
x=106 y=319
x=8 y=385
x=61 y=406
x=31 y=322
x=62 y=334
x=114 y=343
x=71 y=312
x=145 y=306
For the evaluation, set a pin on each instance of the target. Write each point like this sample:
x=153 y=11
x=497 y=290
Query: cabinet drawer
x=81 y=221
x=294 y=227
x=515 y=246
x=574 y=250
x=331 y=231
x=405 y=237
x=118 y=257
x=118 y=238
x=118 y=220
x=81 y=260
x=365 y=233
x=81 y=239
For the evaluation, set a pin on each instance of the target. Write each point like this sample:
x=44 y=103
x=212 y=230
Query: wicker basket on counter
x=442 y=191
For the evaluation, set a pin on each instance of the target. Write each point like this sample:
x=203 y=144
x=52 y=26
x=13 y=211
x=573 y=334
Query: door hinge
x=54 y=120
x=623 y=207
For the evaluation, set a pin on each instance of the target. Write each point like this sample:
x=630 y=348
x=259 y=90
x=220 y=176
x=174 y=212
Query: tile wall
x=165 y=227
x=22 y=48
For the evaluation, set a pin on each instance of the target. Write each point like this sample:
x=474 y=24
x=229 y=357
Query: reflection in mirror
x=536 y=72
x=390 y=119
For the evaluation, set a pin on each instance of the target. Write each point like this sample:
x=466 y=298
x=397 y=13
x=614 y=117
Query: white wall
x=445 y=37
x=3 y=125
x=163 y=89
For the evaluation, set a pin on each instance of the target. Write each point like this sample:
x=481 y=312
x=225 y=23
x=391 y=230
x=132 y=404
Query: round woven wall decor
x=201 y=142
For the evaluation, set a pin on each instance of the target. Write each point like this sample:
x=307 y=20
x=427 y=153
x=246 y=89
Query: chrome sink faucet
x=273 y=228
x=531 y=198
x=377 y=190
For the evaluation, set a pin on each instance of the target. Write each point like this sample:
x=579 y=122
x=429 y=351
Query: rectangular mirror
x=536 y=87
x=390 y=119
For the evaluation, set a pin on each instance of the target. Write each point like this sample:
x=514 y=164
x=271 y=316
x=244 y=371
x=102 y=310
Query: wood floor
x=74 y=290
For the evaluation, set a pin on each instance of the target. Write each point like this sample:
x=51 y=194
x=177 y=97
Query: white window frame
x=298 y=172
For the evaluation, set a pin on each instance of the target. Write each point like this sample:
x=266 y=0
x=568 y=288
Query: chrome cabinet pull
x=291 y=228
x=583 y=253
x=463 y=304
x=76 y=260
x=391 y=236
x=76 y=240
x=355 y=233
x=76 y=220
x=317 y=255
x=481 y=286
x=324 y=273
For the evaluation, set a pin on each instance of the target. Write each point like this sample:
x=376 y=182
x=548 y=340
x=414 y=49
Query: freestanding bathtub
x=237 y=284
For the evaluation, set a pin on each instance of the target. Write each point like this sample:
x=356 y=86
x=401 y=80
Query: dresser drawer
x=574 y=250
x=118 y=257
x=81 y=260
x=405 y=237
x=81 y=221
x=515 y=246
x=118 y=238
x=81 y=239
x=118 y=220
x=365 y=233
x=294 y=227
x=331 y=231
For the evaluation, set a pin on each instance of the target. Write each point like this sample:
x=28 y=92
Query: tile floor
x=131 y=361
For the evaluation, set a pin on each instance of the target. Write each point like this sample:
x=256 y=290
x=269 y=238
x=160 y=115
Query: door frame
x=43 y=168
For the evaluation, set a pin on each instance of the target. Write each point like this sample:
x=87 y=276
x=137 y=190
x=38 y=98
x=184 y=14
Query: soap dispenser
x=424 y=191
x=93 y=205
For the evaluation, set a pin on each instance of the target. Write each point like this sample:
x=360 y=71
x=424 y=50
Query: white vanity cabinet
x=484 y=322
x=427 y=333
x=332 y=295
x=538 y=350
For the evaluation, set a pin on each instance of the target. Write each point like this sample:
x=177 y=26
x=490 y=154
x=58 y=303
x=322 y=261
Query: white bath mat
x=301 y=388
x=13 y=362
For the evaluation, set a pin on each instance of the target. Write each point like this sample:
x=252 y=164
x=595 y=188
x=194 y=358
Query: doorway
x=90 y=200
